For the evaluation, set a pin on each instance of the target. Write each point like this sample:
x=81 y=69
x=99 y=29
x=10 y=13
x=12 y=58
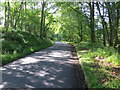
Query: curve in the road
x=49 y=68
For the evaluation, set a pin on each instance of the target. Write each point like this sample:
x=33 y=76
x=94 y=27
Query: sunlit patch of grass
x=101 y=65
x=92 y=78
x=115 y=59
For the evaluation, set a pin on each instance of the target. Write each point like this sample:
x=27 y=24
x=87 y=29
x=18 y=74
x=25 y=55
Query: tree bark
x=103 y=24
x=42 y=20
x=5 y=24
x=116 y=27
x=110 y=16
x=92 y=22
x=44 y=28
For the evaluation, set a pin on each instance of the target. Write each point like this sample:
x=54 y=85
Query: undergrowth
x=101 y=65
x=18 y=44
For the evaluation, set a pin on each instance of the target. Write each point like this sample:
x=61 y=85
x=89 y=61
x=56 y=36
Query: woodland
x=92 y=27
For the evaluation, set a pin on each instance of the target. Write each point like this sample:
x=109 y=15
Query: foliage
x=101 y=65
x=92 y=26
x=18 y=44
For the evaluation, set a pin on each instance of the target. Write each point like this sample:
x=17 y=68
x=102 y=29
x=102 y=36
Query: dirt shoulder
x=78 y=70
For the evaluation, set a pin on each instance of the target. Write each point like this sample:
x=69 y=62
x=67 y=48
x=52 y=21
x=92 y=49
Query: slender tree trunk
x=92 y=22
x=42 y=20
x=13 y=17
x=8 y=14
x=116 y=28
x=110 y=16
x=21 y=22
x=103 y=24
x=104 y=32
x=18 y=15
x=44 y=28
x=5 y=24
x=81 y=33
x=34 y=23
x=25 y=12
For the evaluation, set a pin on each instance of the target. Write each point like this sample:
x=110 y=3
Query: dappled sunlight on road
x=29 y=60
x=49 y=68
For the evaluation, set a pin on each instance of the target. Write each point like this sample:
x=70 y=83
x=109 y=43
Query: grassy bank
x=101 y=65
x=19 y=44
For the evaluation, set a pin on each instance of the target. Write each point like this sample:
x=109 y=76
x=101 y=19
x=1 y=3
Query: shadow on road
x=49 y=68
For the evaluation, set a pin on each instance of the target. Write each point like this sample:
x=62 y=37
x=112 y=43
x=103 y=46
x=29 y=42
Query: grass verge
x=101 y=65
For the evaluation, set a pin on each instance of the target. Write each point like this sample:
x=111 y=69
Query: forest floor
x=54 y=67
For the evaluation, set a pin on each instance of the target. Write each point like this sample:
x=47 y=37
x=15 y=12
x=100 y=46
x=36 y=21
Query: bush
x=18 y=44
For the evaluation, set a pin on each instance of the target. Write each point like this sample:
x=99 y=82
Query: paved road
x=49 y=68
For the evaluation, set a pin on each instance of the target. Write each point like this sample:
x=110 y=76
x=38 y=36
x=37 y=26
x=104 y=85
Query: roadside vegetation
x=17 y=44
x=24 y=29
x=100 y=64
x=94 y=29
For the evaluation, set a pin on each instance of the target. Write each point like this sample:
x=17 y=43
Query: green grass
x=101 y=65
x=18 y=44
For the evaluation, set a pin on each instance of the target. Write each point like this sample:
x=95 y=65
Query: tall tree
x=42 y=19
x=103 y=23
x=117 y=24
x=17 y=19
x=5 y=24
x=92 y=28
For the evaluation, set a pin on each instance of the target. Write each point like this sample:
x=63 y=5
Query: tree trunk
x=116 y=28
x=92 y=22
x=5 y=24
x=25 y=12
x=42 y=20
x=44 y=28
x=110 y=16
x=18 y=16
x=8 y=14
x=103 y=24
